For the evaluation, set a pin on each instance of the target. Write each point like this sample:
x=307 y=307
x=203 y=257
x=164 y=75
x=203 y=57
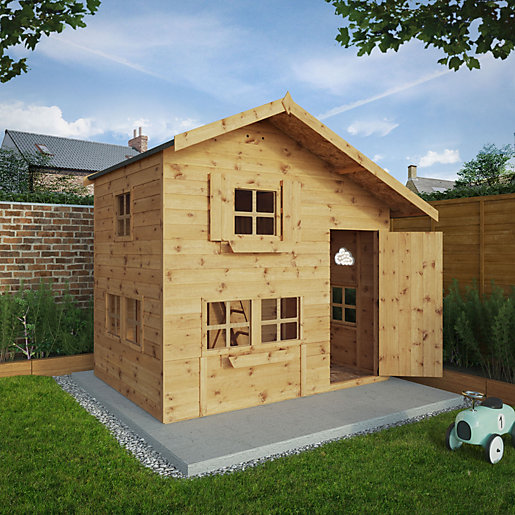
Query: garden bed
x=47 y=366
x=456 y=382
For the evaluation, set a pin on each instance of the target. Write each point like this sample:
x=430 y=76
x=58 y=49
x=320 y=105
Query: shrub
x=35 y=323
x=479 y=331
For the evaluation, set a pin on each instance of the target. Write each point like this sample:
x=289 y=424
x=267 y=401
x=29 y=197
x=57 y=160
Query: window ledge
x=271 y=244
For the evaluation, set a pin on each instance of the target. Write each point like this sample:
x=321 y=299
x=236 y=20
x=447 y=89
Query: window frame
x=222 y=188
x=255 y=327
x=122 y=335
x=125 y=216
x=343 y=305
x=254 y=214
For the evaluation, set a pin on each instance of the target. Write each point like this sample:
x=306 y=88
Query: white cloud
x=370 y=127
x=45 y=119
x=377 y=157
x=50 y=120
x=446 y=157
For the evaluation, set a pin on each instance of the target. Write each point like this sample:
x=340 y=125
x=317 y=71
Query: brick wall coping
x=90 y=206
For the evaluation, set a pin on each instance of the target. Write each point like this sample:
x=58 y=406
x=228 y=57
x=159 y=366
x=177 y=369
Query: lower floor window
x=113 y=314
x=124 y=318
x=241 y=323
x=343 y=304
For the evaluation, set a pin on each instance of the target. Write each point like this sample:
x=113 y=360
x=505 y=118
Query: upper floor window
x=254 y=212
x=123 y=214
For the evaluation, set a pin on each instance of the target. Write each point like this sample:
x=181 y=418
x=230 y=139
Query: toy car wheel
x=494 y=449
x=451 y=440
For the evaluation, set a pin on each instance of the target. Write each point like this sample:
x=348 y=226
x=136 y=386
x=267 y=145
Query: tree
x=26 y=21
x=490 y=167
x=25 y=173
x=462 y=29
x=19 y=171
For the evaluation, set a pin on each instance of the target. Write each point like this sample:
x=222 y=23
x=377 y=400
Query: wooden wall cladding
x=196 y=268
x=131 y=267
x=478 y=239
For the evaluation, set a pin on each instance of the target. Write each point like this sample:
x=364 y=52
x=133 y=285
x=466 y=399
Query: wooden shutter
x=410 y=304
x=216 y=184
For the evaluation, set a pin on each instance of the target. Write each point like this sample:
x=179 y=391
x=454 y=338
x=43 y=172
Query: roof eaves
x=131 y=160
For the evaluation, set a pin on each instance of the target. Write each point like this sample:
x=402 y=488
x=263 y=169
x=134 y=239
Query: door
x=410 y=304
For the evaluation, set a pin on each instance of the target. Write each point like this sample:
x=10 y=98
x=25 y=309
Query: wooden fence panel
x=478 y=239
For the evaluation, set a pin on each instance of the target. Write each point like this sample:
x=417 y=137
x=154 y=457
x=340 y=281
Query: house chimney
x=412 y=172
x=139 y=142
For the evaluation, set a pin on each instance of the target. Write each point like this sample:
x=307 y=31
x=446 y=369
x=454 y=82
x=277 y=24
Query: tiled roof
x=69 y=154
x=427 y=185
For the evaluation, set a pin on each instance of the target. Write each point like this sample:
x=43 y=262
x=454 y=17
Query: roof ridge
x=11 y=131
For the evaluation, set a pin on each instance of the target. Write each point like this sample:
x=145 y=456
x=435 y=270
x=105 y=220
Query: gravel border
x=151 y=459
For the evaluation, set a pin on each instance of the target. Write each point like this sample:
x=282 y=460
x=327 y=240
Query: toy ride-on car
x=483 y=425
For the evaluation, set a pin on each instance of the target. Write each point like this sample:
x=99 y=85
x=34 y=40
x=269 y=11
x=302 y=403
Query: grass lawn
x=55 y=457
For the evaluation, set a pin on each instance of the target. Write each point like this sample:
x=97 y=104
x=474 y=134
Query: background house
x=73 y=157
x=426 y=184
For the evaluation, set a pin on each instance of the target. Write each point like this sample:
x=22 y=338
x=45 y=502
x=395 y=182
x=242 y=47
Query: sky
x=169 y=66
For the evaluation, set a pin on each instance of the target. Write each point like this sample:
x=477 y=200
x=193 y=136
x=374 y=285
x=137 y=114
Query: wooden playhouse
x=251 y=260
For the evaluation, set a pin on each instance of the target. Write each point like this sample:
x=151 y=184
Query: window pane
x=216 y=313
x=265 y=201
x=127 y=227
x=242 y=225
x=121 y=207
x=350 y=296
x=350 y=315
x=337 y=295
x=265 y=225
x=240 y=311
x=121 y=227
x=269 y=309
x=337 y=313
x=268 y=333
x=240 y=337
x=289 y=307
x=216 y=339
x=127 y=203
x=243 y=200
x=289 y=331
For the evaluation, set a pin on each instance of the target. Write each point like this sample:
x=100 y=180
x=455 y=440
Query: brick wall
x=47 y=241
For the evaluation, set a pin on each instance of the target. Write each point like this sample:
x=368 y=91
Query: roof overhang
x=312 y=134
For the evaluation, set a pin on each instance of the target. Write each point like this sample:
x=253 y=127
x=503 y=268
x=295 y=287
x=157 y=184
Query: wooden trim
x=458 y=381
x=203 y=386
x=225 y=125
x=48 y=366
x=355 y=382
x=366 y=164
x=466 y=200
x=262 y=358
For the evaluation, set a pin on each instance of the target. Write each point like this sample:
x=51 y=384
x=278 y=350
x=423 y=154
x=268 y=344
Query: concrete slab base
x=210 y=443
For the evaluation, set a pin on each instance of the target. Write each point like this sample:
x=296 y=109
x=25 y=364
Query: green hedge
x=470 y=191
x=479 y=331
x=35 y=324
x=47 y=197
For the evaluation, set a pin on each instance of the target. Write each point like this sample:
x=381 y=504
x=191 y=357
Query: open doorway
x=354 y=311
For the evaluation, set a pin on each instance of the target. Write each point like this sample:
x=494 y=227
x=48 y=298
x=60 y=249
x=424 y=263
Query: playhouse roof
x=312 y=134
